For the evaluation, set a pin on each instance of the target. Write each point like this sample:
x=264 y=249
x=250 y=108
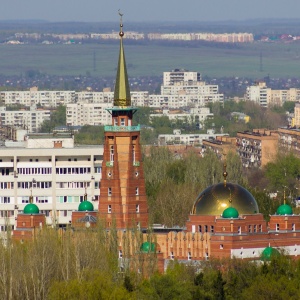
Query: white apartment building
x=265 y=96
x=187 y=139
x=34 y=96
x=51 y=169
x=29 y=119
x=180 y=75
x=84 y=113
x=197 y=115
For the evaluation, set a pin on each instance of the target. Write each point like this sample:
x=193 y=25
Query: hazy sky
x=154 y=10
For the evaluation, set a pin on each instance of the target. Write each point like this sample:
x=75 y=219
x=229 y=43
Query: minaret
x=122 y=193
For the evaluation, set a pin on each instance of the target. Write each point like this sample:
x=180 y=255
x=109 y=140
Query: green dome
x=31 y=208
x=214 y=199
x=284 y=209
x=269 y=253
x=230 y=213
x=86 y=206
x=147 y=247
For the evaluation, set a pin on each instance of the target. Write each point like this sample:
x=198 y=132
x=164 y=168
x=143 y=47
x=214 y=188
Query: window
x=109 y=191
x=172 y=255
x=259 y=228
x=189 y=256
x=239 y=230
x=254 y=228
x=212 y=228
x=221 y=246
x=133 y=153
x=120 y=254
x=250 y=228
x=199 y=228
x=109 y=209
x=206 y=228
x=277 y=227
x=115 y=121
x=137 y=191
x=293 y=227
x=122 y=122
x=111 y=153
x=137 y=208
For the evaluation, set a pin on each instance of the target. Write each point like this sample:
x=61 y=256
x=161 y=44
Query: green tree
x=284 y=171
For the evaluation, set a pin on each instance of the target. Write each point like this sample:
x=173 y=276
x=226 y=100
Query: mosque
x=224 y=221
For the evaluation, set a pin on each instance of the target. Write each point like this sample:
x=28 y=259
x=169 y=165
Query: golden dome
x=216 y=198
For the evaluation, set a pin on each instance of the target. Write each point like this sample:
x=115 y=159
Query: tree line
x=85 y=265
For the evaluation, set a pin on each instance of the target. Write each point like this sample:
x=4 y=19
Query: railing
x=122 y=128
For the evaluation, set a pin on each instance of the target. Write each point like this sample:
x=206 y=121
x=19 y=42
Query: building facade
x=52 y=170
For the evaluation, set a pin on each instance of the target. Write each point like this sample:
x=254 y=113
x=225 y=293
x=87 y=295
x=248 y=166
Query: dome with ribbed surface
x=284 y=209
x=86 y=206
x=31 y=208
x=230 y=213
x=214 y=199
x=147 y=247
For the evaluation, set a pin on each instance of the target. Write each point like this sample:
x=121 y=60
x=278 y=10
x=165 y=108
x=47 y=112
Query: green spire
x=122 y=92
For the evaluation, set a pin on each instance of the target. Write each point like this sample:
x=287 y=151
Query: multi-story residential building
x=51 y=169
x=259 y=93
x=289 y=140
x=193 y=115
x=187 y=139
x=257 y=148
x=207 y=36
x=265 y=96
x=84 y=113
x=34 y=96
x=180 y=75
x=30 y=119
x=296 y=121
x=220 y=145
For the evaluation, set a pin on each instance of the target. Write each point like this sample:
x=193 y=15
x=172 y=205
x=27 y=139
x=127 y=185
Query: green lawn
x=279 y=60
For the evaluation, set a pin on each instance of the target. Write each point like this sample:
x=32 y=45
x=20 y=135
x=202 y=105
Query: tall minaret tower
x=122 y=192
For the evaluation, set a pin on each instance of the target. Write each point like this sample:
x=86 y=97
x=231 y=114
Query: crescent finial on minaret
x=121 y=33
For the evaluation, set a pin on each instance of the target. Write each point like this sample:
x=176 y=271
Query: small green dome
x=284 y=209
x=86 y=206
x=269 y=253
x=31 y=208
x=230 y=213
x=147 y=247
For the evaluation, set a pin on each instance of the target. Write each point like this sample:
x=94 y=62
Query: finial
x=284 y=197
x=121 y=33
x=230 y=198
x=225 y=174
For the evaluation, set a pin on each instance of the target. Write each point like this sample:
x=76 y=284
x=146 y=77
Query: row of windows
x=137 y=208
x=72 y=184
x=4 y=199
x=63 y=171
x=36 y=199
x=4 y=228
x=293 y=227
x=109 y=191
x=73 y=199
x=6 y=185
x=38 y=185
x=6 y=213
x=29 y=171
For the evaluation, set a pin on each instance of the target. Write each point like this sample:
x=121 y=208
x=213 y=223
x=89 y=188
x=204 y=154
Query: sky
x=142 y=10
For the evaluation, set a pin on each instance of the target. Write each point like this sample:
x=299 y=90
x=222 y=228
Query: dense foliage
x=84 y=265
